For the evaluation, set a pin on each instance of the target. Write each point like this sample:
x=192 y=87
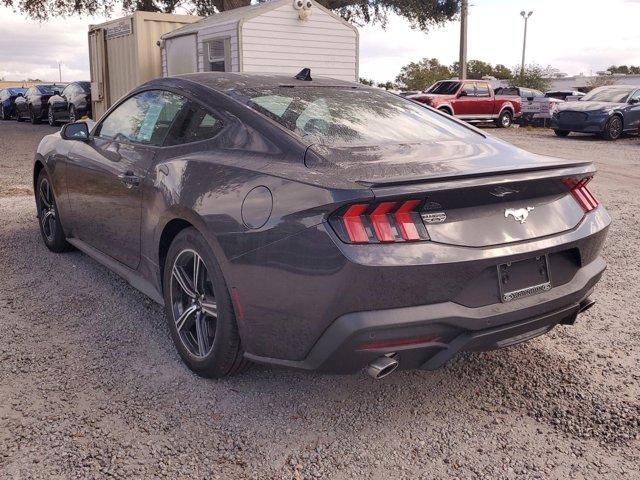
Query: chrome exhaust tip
x=382 y=366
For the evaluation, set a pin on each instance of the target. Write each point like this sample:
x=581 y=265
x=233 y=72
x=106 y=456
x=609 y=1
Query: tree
x=387 y=85
x=420 y=75
x=533 y=78
x=501 y=72
x=366 y=81
x=422 y=14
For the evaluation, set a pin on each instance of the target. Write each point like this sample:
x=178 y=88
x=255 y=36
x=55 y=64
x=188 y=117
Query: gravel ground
x=91 y=386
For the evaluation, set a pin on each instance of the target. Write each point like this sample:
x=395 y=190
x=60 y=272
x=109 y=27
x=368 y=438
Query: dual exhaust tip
x=382 y=366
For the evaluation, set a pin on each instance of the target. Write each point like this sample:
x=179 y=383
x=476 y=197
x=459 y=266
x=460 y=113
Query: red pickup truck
x=472 y=101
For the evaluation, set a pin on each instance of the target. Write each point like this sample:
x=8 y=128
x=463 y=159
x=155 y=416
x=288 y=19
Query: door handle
x=129 y=179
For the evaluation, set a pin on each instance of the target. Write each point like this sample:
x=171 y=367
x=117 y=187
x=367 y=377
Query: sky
x=575 y=36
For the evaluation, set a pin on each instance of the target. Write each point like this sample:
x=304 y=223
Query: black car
x=608 y=111
x=34 y=104
x=73 y=103
x=7 y=100
x=321 y=224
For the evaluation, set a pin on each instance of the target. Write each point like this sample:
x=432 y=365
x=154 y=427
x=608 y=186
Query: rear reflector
x=582 y=195
x=384 y=222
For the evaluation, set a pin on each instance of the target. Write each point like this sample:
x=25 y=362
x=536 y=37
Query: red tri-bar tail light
x=582 y=195
x=382 y=222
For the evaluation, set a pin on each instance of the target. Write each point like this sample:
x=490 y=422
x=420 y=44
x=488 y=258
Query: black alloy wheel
x=613 y=128
x=199 y=310
x=49 y=219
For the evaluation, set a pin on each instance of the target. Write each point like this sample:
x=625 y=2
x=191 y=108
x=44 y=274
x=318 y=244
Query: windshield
x=15 y=91
x=608 y=94
x=444 y=88
x=49 y=89
x=345 y=116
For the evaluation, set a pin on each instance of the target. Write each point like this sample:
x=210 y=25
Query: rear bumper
x=354 y=340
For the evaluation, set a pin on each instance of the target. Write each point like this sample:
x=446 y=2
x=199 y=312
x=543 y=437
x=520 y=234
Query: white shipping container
x=124 y=53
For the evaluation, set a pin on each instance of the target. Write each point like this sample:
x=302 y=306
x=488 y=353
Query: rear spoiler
x=444 y=182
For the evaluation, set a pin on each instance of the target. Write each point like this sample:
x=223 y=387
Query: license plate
x=524 y=278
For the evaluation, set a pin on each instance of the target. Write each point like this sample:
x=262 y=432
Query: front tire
x=613 y=128
x=561 y=133
x=32 y=117
x=48 y=216
x=51 y=118
x=505 y=120
x=199 y=310
x=3 y=116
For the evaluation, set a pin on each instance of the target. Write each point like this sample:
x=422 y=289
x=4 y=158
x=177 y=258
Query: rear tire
x=445 y=110
x=201 y=319
x=613 y=128
x=48 y=216
x=505 y=120
x=72 y=114
x=32 y=117
x=51 y=118
x=562 y=133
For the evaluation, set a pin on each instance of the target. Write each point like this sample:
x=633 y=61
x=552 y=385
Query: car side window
x=144 y=118
x=482 y=90
x=193 y=124
x=470 y=89
x=635 y=96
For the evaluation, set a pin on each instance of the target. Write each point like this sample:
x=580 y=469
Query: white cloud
x=572 y=35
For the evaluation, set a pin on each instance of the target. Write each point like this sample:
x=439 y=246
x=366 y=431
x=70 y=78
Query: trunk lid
x=474 y=194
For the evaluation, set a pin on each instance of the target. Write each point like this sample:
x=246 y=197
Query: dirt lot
x=91 y=386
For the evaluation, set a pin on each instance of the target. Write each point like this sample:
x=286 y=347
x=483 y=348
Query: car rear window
x=444 y=88
x=49 y=89
x=346 y=116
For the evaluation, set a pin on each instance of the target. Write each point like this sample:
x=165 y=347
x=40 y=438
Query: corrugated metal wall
x=122 y=62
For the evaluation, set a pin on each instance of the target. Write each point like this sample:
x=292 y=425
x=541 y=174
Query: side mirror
x=633 y=101
x=463 y=93
x=75 y=131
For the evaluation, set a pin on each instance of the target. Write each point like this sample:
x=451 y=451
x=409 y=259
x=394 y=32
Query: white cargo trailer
x=124 y=53
x=279 y=36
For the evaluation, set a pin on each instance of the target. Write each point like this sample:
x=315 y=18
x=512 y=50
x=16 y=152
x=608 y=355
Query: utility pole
x=526 y=16
x=59 y=70
x=464 y=12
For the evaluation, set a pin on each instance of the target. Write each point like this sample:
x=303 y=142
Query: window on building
x=216 y=55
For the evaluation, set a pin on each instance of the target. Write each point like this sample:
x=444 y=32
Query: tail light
x=383 y=222
x=582 y=195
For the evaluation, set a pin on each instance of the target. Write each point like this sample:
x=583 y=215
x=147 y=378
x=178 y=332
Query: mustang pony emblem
x=518 y=214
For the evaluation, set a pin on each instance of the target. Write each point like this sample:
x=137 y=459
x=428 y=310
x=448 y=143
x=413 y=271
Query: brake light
x=580 y=192
x=384 y=222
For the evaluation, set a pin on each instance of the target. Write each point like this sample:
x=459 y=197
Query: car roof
x=224 y=81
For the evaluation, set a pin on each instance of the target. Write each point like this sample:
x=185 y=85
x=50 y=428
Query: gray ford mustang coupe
x=321 y=225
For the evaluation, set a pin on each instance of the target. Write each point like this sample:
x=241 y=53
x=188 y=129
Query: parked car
x=609 y=111
x=522 y=92
x=321 y=224
x=33 y=105
x=472 y=101
x=73 y=103
x=7 y=100
x=565 y=94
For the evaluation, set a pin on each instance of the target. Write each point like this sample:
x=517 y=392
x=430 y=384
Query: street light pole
x=526 y=16
x=464 y=12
